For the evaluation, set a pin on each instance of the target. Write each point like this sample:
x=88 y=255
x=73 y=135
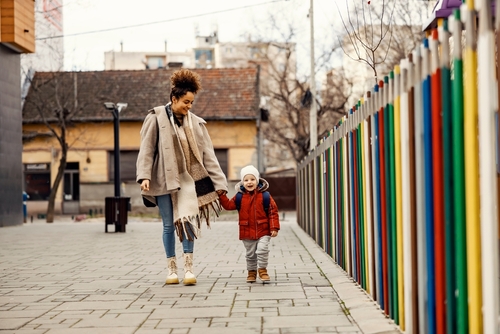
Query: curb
x=358 y=305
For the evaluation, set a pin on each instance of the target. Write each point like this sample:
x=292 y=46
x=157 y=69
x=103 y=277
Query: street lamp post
x=115 y=110
x=114 y=204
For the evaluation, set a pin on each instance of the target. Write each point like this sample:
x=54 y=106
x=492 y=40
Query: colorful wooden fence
x=403 y=192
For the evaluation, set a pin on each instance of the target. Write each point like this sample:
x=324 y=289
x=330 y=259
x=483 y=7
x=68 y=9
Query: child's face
x=249 y=182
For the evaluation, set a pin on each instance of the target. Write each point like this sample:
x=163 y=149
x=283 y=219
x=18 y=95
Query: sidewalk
x=72 y=278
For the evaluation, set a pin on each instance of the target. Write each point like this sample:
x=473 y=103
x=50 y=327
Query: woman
x=178 y=171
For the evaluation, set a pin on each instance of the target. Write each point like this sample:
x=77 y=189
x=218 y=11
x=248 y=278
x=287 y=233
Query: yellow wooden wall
x=240 y=138
x=91 y=142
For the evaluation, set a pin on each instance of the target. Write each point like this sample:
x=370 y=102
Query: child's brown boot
x=252 y=276
x=264 y=277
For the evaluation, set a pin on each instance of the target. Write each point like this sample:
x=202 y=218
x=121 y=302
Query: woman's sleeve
x=149 y=140
x=211 y=163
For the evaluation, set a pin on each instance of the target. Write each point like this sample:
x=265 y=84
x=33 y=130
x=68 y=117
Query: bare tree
x=380 y=34
x=407 y=31
x=53 y=101
x=367 y=26
x=289 y=101
x=369 y=37
x=287 y=93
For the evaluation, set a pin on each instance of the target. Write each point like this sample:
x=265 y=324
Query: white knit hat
x=249 y=170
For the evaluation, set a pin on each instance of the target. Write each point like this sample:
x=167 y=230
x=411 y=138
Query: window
x=257 y=52
x=155 y=62
x=128 y=161
x=203 y=58
x=37 y=181
x=221 y=155
x=254 y=52
x=206 y=54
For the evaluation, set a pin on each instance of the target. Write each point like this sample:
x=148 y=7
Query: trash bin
x=116 y=212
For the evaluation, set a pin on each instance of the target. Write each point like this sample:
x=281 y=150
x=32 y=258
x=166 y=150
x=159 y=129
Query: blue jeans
x=167 y=215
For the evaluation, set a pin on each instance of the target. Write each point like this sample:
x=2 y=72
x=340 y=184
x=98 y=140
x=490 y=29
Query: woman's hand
x=221 y=192
x=145 y=185
x=274 y=234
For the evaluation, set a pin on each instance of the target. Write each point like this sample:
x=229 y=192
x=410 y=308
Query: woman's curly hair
x=183 y=81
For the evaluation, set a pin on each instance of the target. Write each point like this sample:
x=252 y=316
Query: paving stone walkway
x=72 y=278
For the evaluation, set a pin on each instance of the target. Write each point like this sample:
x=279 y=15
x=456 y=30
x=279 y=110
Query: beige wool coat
x=162 y=171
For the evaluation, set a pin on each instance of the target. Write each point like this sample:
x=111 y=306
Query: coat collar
x=168 y=108
x=264 y=186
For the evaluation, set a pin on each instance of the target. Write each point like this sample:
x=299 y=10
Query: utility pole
x=313 y=127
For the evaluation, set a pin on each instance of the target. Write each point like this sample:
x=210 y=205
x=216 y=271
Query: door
x=71 y=196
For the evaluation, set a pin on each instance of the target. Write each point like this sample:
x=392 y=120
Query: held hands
x=274 y=234
x=221 y=192
x=145 y=185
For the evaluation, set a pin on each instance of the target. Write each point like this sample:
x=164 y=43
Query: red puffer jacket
x=253 y=221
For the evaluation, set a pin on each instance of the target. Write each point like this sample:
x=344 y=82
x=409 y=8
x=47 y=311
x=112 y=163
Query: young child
x=256 y=226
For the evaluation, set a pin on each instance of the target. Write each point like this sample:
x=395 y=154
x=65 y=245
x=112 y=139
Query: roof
x=227 y=93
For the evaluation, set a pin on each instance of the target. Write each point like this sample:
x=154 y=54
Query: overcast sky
x=90 y=25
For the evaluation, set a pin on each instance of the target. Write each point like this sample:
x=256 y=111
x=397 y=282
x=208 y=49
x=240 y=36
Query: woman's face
x=182 y=105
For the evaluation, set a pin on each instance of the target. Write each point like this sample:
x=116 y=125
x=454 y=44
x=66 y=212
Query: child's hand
x=274 y=234
x=221 y=192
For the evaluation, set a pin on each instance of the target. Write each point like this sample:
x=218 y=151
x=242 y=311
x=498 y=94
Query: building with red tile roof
x=229 y=102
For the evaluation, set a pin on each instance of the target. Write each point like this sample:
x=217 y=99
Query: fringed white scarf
x=196 y=199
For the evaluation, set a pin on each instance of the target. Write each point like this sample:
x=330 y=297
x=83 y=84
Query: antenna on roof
x=196 y=30
x=215 y=33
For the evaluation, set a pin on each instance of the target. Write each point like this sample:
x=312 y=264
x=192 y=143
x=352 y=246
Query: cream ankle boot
x=189 y=278
x=172 y=271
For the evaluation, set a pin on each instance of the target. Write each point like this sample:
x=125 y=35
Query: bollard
x=25 y=211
